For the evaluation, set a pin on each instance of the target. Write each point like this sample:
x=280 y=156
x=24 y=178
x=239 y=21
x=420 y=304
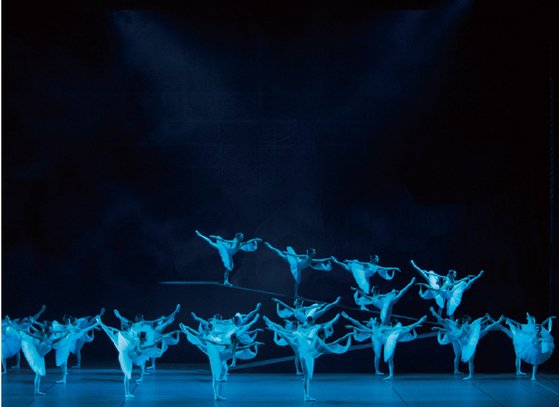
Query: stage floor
x=191 y=386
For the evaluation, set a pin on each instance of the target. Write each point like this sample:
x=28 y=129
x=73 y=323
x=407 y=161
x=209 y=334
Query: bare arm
x=122 y=319
x=549 y=322
x=200 y=320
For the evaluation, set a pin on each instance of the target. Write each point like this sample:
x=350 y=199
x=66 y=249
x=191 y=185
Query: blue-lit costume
x=309 y=343
x=228 y=248
x=363 y=271
x=386 y=336
x=384 y=302
x=299 y=262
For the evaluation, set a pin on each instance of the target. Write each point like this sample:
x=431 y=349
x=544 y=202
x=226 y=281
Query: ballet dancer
x=153 y=328
x=83 y=323
x=290 y=325
x=301 y=312
x=467 y=335
x=363 y=271
x=228 y=248
x=383 y=338
x=533 y=343
x=446 y=290
x=384 y=302
x=35 y=344
x=219 y=350
x=308 y=348
x=434 y=282
x=11 y=342
x=299 y=262
x=68 y=335
x=131 y=347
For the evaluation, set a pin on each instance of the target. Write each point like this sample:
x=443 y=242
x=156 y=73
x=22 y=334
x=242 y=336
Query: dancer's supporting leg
x=534 y=370
x=377 y=350
x=470 y=369
x=18 y=361
x=457 y=356
x=78 y=364
x=390 y=368
x=308 y=368
x=37 y=385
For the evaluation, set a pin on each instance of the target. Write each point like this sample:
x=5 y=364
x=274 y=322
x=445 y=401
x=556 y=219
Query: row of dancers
x=225 y=341
x=446 y=290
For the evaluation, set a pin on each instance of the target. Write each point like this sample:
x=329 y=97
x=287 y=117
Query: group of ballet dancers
x=225 y=341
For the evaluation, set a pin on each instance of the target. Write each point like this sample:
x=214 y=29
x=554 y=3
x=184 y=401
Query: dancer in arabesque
x=299 y=262
x=228 y=248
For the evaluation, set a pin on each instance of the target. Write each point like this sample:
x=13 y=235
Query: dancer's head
x=310 y=320
x=311 y=252
x=373 y=321
x=289 y=324
x=138 y=318
x=298 y=302
x=374 y=259
x=239 y=236
x=451 y=275
x=237 y=319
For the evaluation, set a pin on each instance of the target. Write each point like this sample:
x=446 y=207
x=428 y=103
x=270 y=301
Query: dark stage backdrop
x=413 y=130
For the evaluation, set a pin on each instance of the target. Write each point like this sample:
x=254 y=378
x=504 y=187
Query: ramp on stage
x=182 y=385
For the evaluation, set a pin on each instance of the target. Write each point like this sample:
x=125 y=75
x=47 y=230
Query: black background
x=414 y=130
